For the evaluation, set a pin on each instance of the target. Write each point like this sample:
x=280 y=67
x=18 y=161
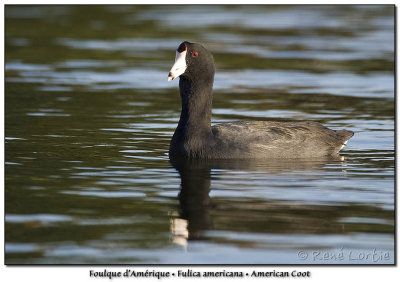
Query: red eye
x=195 y=54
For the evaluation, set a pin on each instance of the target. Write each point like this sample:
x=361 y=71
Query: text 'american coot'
x=195 y=138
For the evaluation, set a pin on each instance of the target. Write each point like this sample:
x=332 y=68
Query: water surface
x=89 y=115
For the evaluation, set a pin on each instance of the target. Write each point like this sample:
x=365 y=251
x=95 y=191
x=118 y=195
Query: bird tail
x=344 y=135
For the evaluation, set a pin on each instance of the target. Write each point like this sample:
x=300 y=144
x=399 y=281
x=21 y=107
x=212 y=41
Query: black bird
x=195 y=138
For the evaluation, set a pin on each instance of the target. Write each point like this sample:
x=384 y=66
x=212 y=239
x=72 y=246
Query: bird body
x=195 y=138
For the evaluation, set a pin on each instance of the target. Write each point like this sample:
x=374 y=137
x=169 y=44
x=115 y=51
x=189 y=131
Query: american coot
x=195 y=138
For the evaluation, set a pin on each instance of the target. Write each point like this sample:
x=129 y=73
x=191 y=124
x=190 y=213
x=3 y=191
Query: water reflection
x=195 y=215
x=277 y=224
x=194 y=197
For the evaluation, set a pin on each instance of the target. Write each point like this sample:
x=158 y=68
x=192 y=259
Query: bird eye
x=195 y=54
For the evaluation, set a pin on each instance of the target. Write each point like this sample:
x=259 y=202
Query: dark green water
x=89 y=115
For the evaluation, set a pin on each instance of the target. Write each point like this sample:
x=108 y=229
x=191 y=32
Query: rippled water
x=89 y=115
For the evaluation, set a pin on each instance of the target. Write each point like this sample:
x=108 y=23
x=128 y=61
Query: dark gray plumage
x=195 y=138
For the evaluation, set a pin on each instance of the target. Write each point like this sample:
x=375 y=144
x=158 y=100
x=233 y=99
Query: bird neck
x=196 y=97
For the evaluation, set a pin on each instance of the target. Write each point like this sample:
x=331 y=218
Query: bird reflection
x=195 y=203
x=194 y=197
